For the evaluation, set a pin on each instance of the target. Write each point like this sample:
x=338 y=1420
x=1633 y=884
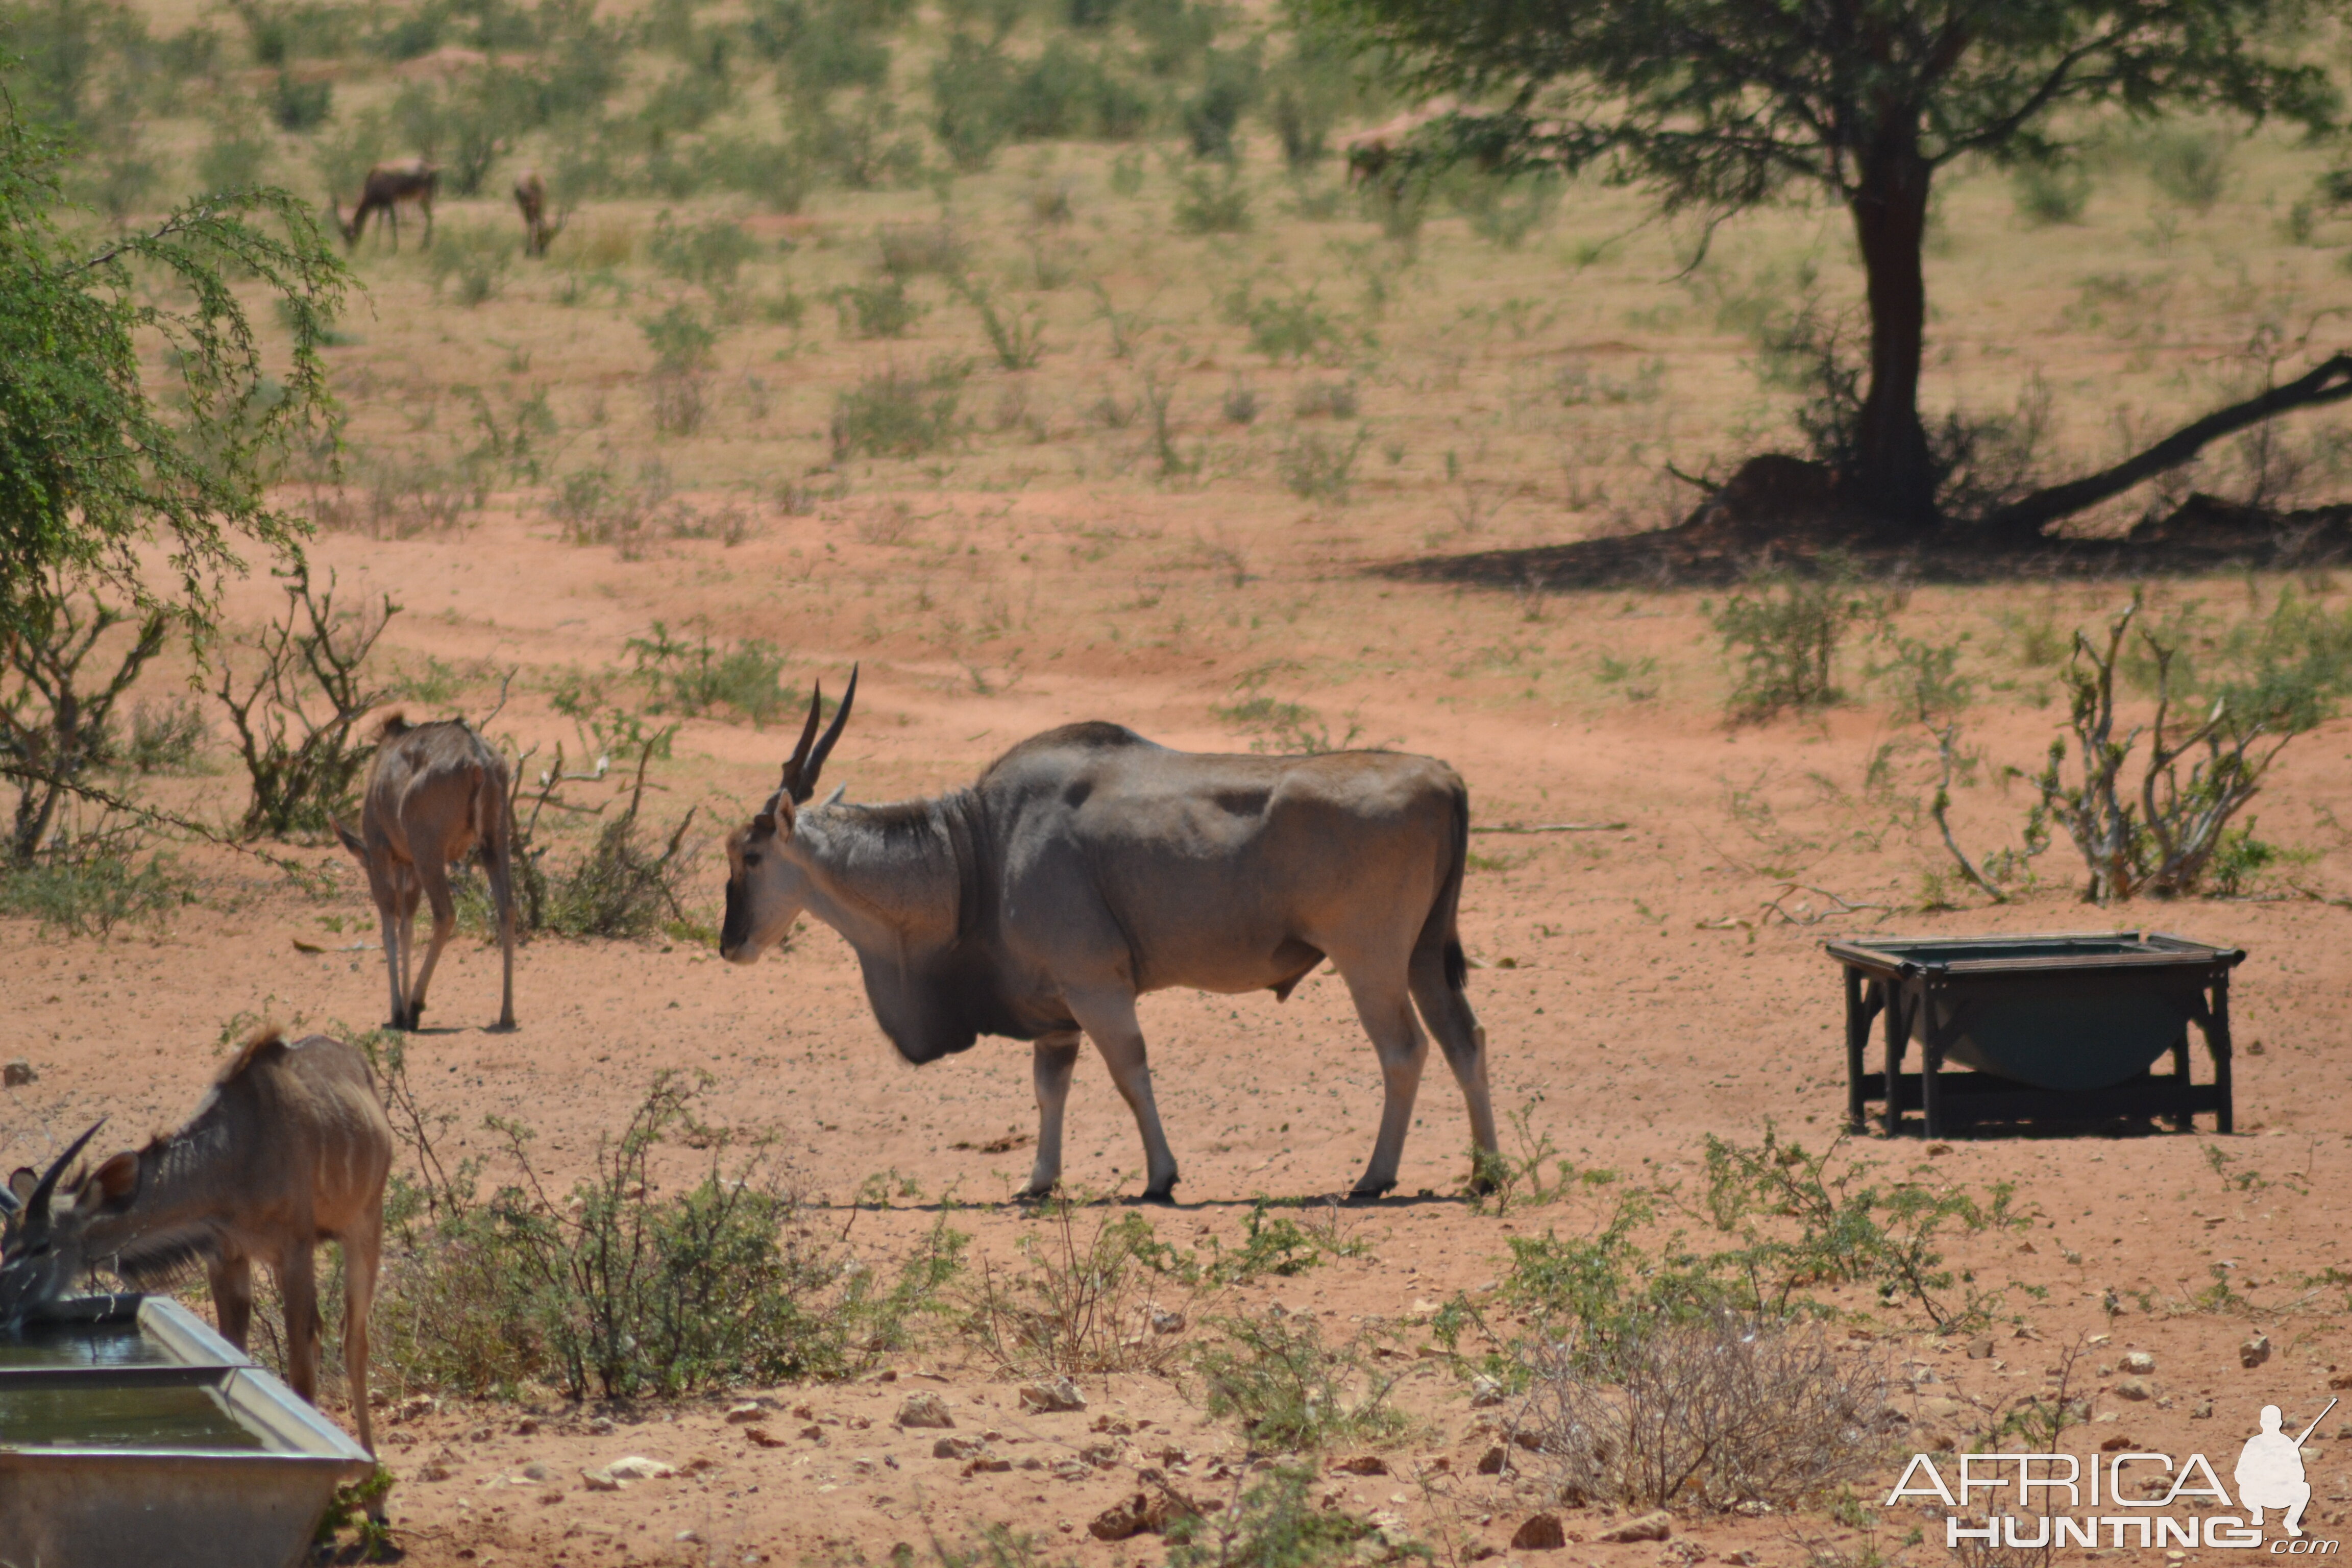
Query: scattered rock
x=1165 y=1323
x=1143 y=1514
x=434 y=1471
x=17 y=1074
x=1072 y=1470
x=599 y=1481
x=1541 y=1532
x=414 y=1405
x=1051 y=1395
x=602 y=1426
x=2119 y=1444
x=536 y=1472
x=527 y=1427
x=763 y=1437
x=1114 y=1426
x=2138 y=1362
x=988 y=1464
x=957 y=1448
x=2201 y=1410
x=637 y=1468
x=813 y=1432
x=743 y=1414
x=1101 y=1456
x=2134 y=1388
x=1493 y=1461
x=1484 y=1393
x=925 y=1410
x=479 y=1435
x=1647 y=1527
x=1363 y=1465
x=2254 y=1351
x=1980 y=1348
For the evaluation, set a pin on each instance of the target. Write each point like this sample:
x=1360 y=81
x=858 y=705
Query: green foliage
x=1925 y=678
x=1289 y=1390
x=300 y=105
x=1081 y=1300
x=972 y=100
x=882 y=309
x=899 y=413
x=1229 y=86
x=165 y=737
x=1284 y=729
x=2047 y=194
x=682 y=339
x=620 y=1289
x=711 y=254
x=87 y=886
x=693 y=677
x=1783 y=636
x=92 y=461
x=475 y=257
x=359 y=1507
x=2189 y=165
x=1276 y=1523
x=1213 y=202
x=1316 y=467
x=621 y=887
x=1018 y=337
x=1295 y=327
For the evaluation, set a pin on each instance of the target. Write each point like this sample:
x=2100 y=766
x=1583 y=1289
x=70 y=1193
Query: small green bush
x=899 y=413
x=972 y=112
x=2189 y=165
x=912 y=249
x=1215 y=202
x=1278 y=1523
x=711 y=253
x=1316 y=467
x=682 y=339
x=1083 y=1300
x=2051 y=194
x=1289 y=1390
x=86 y=889
x=879 y=309
x=300 y=105
x=166 y=738
x=478 y=257
x=694 y=677
x=1783 y=635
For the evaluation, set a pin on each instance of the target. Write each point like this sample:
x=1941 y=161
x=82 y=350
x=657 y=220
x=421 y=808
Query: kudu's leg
x=435 y=878
x=362 y=1248
x=394 y=960
x=404 y=880
x=1446 y=1010
x=1108 y=1019
x=231 y=1278
x=1055 y=1057
x=1385 y=1009
x=297 y=1288
x=498 y=865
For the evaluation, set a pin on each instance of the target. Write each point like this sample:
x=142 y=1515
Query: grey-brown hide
x=388 y=188
x=436 y=793
x=531 y=200
x=290 y=1147
x=1088 y=866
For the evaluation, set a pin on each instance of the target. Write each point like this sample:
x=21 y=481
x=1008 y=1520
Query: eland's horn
x=816 y=763
x=797 y=763
x=37 y=1205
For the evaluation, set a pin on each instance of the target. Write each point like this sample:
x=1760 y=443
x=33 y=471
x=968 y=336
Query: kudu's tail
x=1439 y=932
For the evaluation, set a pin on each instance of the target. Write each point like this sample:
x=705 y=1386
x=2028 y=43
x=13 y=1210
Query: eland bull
x=1088 y=866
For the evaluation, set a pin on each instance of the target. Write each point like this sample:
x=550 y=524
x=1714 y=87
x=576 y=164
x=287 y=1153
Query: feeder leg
x=1931 y=1066
x=2184 y=1121
x=2216 y=1041
x=1897 y=1031
x=1858 y=997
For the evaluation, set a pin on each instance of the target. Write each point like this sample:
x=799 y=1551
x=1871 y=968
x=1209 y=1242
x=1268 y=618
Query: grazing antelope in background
x=290 y=1148
x=389 y=187
x=530 y=199
x=1088 y=866
x=434 y=793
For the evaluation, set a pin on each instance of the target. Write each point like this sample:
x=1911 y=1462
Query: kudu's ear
x=117 y=1180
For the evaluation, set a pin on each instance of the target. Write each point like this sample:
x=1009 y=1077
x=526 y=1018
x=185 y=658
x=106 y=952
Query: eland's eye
x=750 y=859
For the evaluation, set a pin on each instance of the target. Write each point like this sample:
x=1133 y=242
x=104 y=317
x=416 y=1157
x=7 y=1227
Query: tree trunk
x=1892 y=475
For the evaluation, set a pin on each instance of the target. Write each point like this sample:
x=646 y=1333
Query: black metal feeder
x=2055 y=1029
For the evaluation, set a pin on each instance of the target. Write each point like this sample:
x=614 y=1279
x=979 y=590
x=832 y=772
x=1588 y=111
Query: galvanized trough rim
x=2161 y=950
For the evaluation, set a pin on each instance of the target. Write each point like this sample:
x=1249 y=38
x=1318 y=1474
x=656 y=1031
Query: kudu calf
x=436 y=793
x=389 y=187
x=531 y=200
x=290 y=1148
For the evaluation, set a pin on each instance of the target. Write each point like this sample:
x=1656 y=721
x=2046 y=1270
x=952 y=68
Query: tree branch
x=2331 y=382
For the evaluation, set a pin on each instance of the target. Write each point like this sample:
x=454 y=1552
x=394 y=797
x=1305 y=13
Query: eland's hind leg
x=1055 y=1058
x=1385 y=1009
x=1445 y=1008
x=1108 y=1019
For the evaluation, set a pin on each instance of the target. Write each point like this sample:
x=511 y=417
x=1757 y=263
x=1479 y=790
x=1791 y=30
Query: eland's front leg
x=1109 y=1022
x=1055 y=1058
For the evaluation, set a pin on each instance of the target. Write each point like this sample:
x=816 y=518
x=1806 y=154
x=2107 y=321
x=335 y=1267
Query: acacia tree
x=1722 y=105
x=139 y=408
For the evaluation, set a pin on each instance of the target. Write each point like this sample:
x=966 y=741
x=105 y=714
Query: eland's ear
x=21 y=1184
x=350 y=841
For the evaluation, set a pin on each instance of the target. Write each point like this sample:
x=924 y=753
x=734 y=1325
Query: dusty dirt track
x=1623 y=1027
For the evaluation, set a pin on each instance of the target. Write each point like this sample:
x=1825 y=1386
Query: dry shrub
x=1112 y=1298
x=1709 y=1412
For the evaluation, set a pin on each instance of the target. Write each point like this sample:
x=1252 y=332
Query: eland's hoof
x=1163 y=1196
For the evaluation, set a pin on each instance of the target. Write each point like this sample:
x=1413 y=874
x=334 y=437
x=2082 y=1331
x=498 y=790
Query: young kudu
x=531 y=200
x=434 y=793
x=290 y=1148
x=389 y=187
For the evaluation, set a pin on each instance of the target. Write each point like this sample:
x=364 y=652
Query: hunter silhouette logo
x=2270 y=1471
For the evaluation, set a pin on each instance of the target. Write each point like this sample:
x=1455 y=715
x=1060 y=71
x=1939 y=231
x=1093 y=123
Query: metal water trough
x=2062 y=1028
x=132 y=1434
